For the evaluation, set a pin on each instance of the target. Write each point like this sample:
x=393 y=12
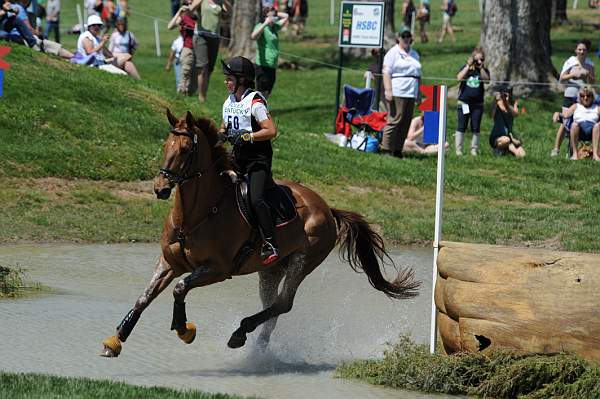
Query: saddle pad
x=279 y=198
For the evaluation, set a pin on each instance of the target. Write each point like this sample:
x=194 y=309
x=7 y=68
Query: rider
x=248 y=125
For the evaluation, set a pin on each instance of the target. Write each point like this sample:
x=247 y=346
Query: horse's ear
x=189 y=120
x=171 y=118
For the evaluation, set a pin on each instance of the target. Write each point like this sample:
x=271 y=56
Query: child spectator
x=122 y=41
x=414 y=141
x=53 y=20
x=174 y=57
x=267 y=54
x=470 y=99
x=502 y=139
x=186 y=22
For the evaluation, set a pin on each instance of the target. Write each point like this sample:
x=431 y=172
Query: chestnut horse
x=204 y=231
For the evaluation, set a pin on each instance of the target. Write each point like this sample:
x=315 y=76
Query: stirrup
x=268 y=253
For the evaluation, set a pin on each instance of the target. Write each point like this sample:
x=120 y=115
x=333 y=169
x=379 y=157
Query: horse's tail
x=364 y=249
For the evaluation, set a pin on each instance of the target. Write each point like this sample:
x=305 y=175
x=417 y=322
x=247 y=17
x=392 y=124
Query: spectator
x=373 y=73
x=90 y=43
x=298 y=11
x=502 y=139
x=108 y=13
x=122 y=41
x=206 y=41
x=173 y=59
x=408 y=8
x=577 y=71
x=586 y=126
x=449 y=9
x=14 y=25
x=122 y=10
x=401 y=75
x=93 y=7
x=267 y=54
x=53 y=20
x=423 y=16
x=414 y=141
x=470 y=99
x=186 y=22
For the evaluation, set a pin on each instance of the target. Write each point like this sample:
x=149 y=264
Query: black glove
x=235 y=138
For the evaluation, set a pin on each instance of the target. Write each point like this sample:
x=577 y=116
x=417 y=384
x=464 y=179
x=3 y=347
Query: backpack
x=452 y=8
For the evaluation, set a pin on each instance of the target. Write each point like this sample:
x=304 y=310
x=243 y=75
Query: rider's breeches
x=259 y=180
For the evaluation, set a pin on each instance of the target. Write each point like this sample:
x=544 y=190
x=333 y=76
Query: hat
x=94 y=20
x=239 y=66
x=404 y=31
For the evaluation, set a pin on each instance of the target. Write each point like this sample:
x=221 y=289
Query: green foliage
x=36 y=386
x=12 y=283
x=498 y=374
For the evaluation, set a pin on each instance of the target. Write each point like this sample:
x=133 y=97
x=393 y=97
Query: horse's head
x=186 y=152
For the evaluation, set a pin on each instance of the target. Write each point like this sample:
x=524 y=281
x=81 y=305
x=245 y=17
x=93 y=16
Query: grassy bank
x=77 y=142
x=500 y=374
x=35 y=386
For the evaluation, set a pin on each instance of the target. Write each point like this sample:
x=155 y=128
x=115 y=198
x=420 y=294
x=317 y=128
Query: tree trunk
x=515 y=35
x=532 y=300
x=245 y=16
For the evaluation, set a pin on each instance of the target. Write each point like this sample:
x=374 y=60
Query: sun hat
x=94 y=20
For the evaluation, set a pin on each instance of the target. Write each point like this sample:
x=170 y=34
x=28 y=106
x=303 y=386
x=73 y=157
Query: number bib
x=237 y=116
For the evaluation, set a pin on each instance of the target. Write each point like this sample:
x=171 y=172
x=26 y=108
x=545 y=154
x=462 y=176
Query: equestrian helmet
x=239 y=67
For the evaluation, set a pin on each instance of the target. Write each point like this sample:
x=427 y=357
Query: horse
x=204 y=232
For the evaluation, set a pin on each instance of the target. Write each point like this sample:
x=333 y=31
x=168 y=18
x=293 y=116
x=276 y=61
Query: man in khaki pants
x=401 y=75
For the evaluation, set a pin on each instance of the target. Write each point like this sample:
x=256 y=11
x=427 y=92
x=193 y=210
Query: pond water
x=337 y=317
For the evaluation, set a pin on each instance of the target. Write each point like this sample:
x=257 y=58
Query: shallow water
x=337 y=317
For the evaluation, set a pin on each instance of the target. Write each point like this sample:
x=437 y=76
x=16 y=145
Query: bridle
x=185 y=174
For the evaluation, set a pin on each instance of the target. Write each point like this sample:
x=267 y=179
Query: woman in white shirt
x=586 y=125
x=401 y=75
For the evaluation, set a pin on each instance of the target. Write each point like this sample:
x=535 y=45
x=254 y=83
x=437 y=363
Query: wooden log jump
x=532 y=300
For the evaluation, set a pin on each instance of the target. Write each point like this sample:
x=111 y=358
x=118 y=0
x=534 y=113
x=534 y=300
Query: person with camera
x=267 y=48
x=502 y=138
x=249 y=127
x=186 y=22
x=401 y=76
x=472 y=77
x=14 y=25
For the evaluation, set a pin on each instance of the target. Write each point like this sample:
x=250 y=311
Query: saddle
x=278 y=197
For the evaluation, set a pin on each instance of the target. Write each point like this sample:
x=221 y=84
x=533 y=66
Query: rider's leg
x=259 y=179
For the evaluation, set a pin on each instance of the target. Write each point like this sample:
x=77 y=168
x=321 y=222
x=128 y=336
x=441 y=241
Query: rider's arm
x=267 y=130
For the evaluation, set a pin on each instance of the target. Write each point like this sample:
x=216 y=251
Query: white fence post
x=157 y=38
x=332 y=12
x=79 y=18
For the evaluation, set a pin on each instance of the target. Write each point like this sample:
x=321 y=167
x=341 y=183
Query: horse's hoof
x=236 y=341
x=112 y=347
x=190 y=333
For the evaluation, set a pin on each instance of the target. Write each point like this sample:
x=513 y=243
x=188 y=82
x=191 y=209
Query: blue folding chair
x=358 y=102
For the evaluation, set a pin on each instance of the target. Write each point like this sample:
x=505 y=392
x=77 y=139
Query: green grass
x=13 y=283
x=34 y=386
x=499 y=374
x=93 y=129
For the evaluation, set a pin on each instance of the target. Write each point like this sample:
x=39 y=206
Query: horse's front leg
x=201 y=276
x=163 y=275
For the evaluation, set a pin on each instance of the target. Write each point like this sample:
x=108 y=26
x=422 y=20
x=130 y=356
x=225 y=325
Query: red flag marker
x=4 y=50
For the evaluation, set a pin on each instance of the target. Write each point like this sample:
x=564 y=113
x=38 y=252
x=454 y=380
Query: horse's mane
x=218 y=150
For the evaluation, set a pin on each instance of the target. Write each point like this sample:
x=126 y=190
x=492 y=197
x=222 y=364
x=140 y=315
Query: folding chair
x=358 y=112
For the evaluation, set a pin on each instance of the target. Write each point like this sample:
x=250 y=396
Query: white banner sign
x=361 y=24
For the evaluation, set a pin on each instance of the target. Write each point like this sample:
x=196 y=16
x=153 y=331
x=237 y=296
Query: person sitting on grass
x=122 y=45
x=502 y=138
x=90 y=43
x=414 y=140
x=586 y=125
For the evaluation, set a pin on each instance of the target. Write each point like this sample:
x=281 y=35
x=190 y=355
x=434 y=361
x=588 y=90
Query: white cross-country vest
x=237 y=116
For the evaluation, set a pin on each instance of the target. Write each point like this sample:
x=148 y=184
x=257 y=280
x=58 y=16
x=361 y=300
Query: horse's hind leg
x=268 y=288
x=163 y=275
x=296 y=271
